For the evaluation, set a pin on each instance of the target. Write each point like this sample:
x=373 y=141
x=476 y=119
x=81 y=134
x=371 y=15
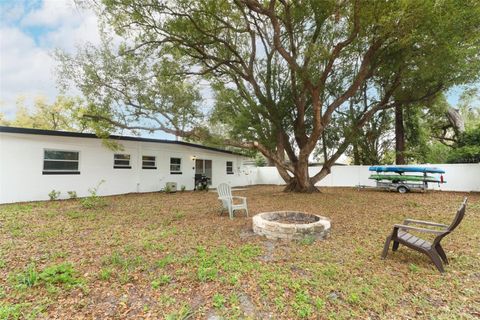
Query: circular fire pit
x=291 y=225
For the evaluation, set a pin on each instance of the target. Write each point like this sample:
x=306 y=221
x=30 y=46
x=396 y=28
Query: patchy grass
x=172 y=256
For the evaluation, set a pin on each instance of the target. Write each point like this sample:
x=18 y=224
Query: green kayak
x=403 y=178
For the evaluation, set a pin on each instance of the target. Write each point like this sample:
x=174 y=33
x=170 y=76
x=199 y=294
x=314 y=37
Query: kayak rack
x=398 y=181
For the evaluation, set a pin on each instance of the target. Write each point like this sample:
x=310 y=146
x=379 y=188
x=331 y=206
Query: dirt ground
x=172 y=256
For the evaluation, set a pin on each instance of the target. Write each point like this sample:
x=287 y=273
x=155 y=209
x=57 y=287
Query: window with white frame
x=60 y=162
x=121 y=161
x=175 y=166
x=229 y=167
x=148 y=162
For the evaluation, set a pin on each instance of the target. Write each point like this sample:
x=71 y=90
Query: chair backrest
x=456 y=221
x=224 y=190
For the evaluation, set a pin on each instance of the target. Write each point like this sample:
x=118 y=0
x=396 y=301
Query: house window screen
x=121 y=161
x=148 y=162
x=175 y=165
x=60 y=162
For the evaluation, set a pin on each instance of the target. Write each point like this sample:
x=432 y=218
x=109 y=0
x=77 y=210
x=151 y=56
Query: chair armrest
x=426 y=223
x=407 y=227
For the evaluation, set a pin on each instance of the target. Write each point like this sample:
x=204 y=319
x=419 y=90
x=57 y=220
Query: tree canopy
x=279 y=71
x=62 y=114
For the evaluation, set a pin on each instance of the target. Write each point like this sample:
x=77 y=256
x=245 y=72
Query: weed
x=183 y=188
x=72 y=194
x=150 y=245
x=207 y=273
x=74 y=214
x=319 y=303
x=280 y=303
x=162 y=263
x=178 y=215
x=184 y=313
x=219 y=300
x=15 y=228
x=353 y=298
x=124 y=277
x=53 y=195
x=60 y=274
x=161 y=281
x=236 y=262
x=93 y=201
x=412 y=204
x=413 y=267
x=28 y=278
x=167 y=300
x=105 y=274
x=10 y=311
x=329 y=271
x=56 y=274
x=307 y=240
x=302 y=304
x=3 y=264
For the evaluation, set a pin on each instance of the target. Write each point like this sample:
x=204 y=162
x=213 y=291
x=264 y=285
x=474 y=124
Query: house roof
x=113 y=137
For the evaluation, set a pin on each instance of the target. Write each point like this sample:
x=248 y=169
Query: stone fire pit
x=291 y=225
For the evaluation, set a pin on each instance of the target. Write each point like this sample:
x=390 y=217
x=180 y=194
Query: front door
x=204 y=167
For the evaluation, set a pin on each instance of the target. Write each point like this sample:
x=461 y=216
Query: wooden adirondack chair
x=434 y=250
x=225 y=195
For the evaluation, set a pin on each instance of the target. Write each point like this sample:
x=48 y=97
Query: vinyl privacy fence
x=459 y=177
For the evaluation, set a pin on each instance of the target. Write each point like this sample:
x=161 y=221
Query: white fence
x=459 y=177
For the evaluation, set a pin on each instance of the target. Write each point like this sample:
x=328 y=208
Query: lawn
x=173 y=256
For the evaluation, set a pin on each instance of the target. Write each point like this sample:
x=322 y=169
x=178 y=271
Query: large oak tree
x=279 y=70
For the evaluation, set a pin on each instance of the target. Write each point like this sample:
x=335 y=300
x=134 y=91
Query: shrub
x=72 y=194
x=54 y=194
x=167 y=189
x=93 y=200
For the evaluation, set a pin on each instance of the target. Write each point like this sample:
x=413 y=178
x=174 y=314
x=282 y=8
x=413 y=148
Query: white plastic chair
x=225 y=195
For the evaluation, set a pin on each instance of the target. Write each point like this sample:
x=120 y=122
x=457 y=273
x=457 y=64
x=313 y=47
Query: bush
x=167 y=189
x=467 y=149
x=93 y=200
x=54 y=194
x=72 y=194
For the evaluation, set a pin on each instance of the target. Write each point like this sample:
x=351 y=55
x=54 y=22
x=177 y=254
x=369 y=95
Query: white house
x=34 y=162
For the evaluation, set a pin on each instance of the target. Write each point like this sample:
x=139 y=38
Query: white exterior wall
x=459 y=177
x=21 y=165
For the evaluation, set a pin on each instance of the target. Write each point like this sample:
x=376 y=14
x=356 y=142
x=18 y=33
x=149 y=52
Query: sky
x=30 y=30
x=29 y=33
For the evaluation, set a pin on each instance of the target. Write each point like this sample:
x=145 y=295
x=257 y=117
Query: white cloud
x=27 y=40
x=52 y=13
x=25 y=69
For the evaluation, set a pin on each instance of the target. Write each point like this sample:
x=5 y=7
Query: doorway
x=203 y=168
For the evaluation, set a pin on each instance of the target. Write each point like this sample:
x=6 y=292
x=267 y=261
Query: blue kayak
x=405 y=169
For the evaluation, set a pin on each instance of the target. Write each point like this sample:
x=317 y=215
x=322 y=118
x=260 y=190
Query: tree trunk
x=301 y=182
x=399 y=135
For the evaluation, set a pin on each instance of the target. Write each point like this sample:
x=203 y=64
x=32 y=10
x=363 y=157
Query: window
x=175 y=166
x=121 y=161
x=148 y=162
x=229 y=167
x=60 y=162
